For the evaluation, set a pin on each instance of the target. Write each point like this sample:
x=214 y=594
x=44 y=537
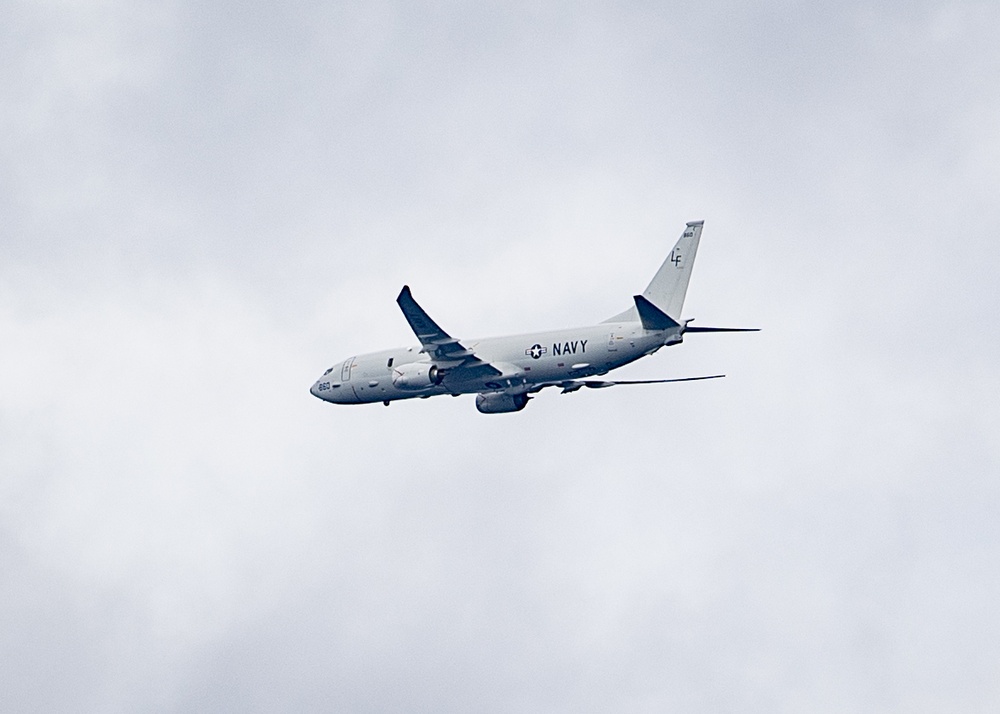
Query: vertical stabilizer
x=669 y=286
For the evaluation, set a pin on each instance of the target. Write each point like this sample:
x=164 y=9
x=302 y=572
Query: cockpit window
x=327 y=371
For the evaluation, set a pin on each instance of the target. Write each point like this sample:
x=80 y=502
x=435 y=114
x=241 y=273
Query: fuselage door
x=612 y=343
x=345 y=371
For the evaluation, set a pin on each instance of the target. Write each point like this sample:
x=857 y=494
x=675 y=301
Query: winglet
x=652 y=317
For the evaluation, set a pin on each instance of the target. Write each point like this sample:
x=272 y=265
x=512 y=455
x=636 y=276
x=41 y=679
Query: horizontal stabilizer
x=652 y=317
x=721 y=329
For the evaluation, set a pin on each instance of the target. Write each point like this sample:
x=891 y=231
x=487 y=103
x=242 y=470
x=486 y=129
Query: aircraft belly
x=523 y=360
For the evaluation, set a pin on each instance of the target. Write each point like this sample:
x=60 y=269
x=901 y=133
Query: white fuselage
x=524 y=360
x=505 y=372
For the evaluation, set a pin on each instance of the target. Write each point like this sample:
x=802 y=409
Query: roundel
x=535 y=351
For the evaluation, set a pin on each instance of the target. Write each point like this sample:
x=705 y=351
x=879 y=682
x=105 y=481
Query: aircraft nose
x=314 y=390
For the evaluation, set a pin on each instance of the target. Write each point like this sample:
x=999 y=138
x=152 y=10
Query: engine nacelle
x=498 y=403
x=416 y=375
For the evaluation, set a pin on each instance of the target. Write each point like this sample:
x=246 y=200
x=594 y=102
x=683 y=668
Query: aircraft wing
x=444 y=350
x=571 y=385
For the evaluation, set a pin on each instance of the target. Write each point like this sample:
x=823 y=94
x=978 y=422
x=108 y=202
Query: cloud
x=207 y=206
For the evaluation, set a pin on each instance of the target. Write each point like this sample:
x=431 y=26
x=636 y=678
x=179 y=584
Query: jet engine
x=498 y=403
x=416 y=375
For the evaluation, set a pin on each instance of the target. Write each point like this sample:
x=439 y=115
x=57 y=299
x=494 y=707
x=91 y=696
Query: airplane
x=505 y=372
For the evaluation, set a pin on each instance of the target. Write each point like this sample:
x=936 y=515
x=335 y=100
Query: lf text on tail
x=504 y=372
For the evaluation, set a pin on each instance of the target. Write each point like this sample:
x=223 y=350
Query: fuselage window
x=389 y=363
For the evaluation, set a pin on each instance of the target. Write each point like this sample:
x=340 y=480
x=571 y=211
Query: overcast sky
x=205 y=205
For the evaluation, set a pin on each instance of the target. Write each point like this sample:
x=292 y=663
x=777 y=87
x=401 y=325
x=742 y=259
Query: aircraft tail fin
x=668 y=287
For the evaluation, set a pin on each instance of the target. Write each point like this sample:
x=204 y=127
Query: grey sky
x=204 y=206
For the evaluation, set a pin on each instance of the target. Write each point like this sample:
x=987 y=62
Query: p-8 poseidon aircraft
x=506 y=371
